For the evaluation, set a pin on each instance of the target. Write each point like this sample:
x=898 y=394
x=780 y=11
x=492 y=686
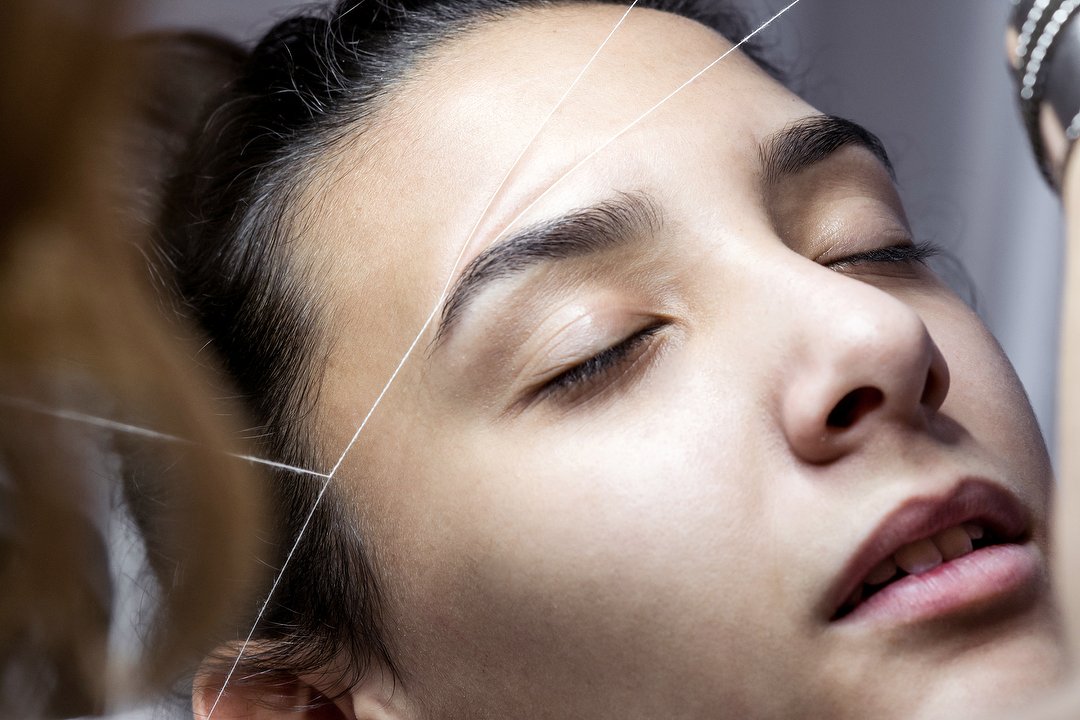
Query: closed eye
x=598 y=369
x=918 y=252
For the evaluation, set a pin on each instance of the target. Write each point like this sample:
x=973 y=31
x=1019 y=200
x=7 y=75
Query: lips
x=934 y=555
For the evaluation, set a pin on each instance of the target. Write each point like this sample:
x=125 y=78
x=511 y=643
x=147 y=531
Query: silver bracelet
x=1032 y=18
x=1048 y=71
x=1062 y=88
x=1033 y=74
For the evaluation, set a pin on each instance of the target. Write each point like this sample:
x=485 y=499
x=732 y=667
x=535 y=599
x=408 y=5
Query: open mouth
x=939 y=555
x=922 y=556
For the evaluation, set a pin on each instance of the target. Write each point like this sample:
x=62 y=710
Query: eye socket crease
x=601 y=373
x=608 y=225
x=601 y=362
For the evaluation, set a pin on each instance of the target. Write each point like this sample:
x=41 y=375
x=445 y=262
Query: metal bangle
x=1032 y=13
x=1057 y=48
x=1061 y=89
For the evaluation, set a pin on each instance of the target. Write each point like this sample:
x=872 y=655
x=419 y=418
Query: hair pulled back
x=229 y=227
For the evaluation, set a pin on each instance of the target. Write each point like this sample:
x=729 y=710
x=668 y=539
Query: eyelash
x=918 y=252
x=609 y=359
x=600 y=364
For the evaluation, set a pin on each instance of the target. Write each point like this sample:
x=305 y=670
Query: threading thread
x=435 y=311
x=404 y=359
x=642 y=117
x=116 y=426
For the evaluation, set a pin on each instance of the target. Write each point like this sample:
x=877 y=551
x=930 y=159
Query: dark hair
x=229 y=232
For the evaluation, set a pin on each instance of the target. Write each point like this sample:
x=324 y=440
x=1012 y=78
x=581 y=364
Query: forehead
x=432 y=156
x=394 y=207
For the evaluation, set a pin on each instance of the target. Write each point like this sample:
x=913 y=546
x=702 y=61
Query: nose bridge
x=862 y=360
x=866 y=334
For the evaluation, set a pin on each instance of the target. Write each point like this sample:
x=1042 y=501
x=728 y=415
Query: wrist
x=1070 y=185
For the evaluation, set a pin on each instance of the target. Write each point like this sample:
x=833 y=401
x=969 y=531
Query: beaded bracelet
x=1046 y=64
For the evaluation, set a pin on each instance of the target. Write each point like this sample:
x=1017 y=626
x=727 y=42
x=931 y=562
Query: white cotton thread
x=643 y=116
x=116 y=426
x=405 y=358
x=449 y=283
x=472 y=234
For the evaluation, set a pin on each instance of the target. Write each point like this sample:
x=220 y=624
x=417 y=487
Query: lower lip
x=987 y=578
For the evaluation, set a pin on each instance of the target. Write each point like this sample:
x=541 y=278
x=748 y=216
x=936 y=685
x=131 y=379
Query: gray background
x=929 y=77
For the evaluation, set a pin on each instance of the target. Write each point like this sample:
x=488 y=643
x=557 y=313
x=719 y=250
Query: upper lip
x=971 y=501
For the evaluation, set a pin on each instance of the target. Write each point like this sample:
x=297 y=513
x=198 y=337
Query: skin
x=1065 y=704
x=1069 y=506
x=660 y=544
x=1066 y=539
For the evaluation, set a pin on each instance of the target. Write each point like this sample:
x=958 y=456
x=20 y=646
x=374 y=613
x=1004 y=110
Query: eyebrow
x=627 y=217
x=607 y=225
x=811 y=140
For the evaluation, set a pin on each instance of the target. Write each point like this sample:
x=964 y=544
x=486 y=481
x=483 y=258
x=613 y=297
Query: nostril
x=854 y=406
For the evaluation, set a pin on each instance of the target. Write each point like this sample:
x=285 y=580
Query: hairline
x=322 y=164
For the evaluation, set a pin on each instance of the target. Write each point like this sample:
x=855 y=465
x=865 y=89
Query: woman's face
x=683 y=409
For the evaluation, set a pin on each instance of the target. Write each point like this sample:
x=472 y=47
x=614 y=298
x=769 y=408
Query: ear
x=379 y=696
x=285 y=696
x=262 y=696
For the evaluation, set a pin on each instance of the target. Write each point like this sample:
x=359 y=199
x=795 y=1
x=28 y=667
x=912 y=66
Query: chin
x=959 y=668
x=990 y=673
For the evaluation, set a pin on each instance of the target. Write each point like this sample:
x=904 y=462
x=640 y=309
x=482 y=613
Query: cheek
x=635 y=533
x=986 y=397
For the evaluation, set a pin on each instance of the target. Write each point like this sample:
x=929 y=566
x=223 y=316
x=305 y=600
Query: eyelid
x=601 y=362
x=638 y=343
x=902 y=252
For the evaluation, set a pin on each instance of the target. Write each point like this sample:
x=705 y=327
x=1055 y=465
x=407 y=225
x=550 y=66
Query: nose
x=864 y=362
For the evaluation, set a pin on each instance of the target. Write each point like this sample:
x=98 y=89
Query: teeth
x=882 y=573
x=918 y=557
x=953 y=543
x=975 y=532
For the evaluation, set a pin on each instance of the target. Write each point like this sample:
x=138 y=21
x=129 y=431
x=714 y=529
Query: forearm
x=1069 y=432
x=1068 y=509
